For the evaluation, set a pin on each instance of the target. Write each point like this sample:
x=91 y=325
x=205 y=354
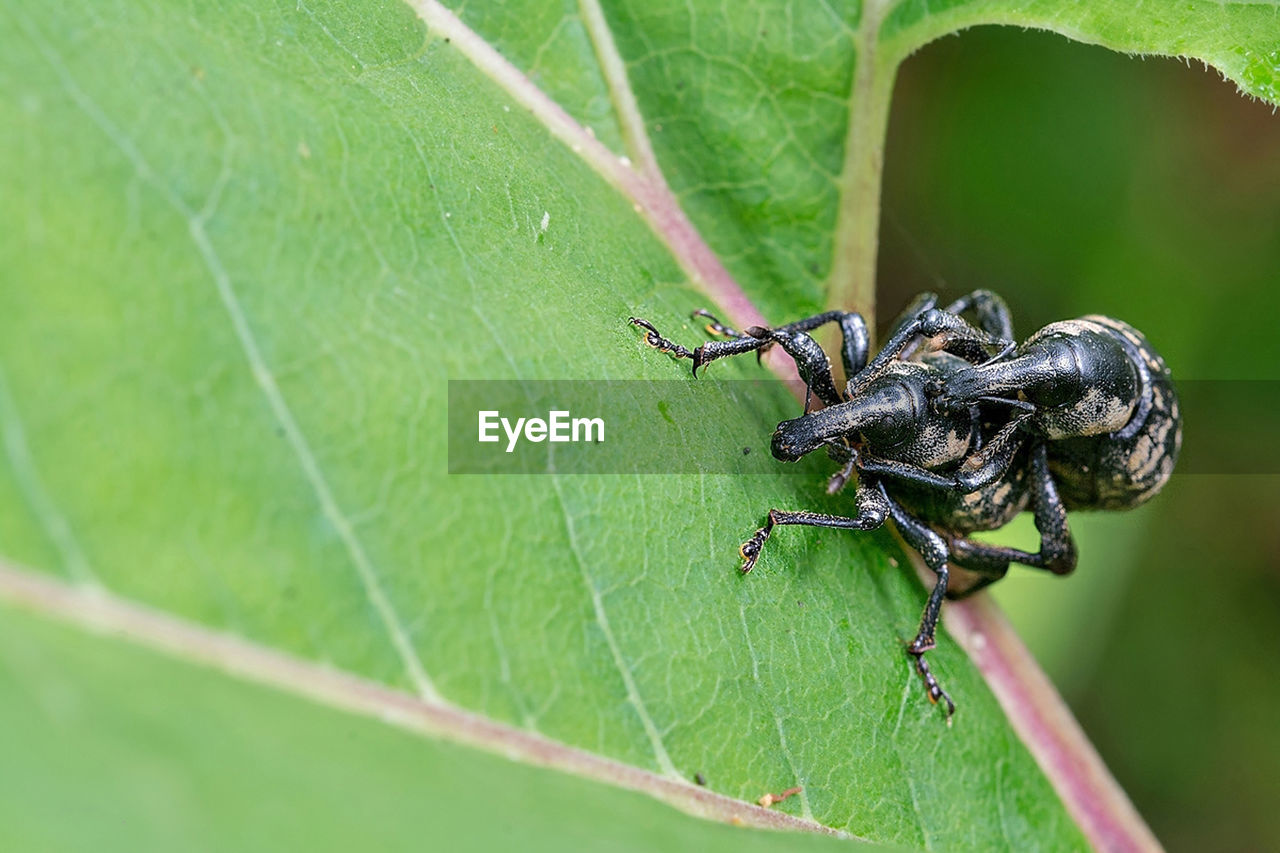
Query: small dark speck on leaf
x=700 y=779
x=746 y=451
x=799 y=603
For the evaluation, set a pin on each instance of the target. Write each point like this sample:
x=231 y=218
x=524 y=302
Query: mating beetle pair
x=953 y=428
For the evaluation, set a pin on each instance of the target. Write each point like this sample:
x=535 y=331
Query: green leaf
x=1239 y=38
x=245 y=247
x=768 y=117
x=120 y=738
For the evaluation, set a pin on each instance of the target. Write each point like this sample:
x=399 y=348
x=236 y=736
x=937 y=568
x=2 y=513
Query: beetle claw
x=932 y=687
x=750 y=550
x=654 y=339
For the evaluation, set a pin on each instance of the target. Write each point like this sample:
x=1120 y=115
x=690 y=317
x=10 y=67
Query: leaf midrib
x=648 y=190
x=101 y=611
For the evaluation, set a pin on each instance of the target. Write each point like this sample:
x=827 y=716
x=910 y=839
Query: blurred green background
x=1075 y=180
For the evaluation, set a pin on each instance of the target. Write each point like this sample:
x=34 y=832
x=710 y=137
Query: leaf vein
x=798 y=776
x=33 y=490
x=661 y=757
x=648 y=192
x=259 y=369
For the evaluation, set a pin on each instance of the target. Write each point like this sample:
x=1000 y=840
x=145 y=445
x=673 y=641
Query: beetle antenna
x=1013 y=402
x=1004 y=353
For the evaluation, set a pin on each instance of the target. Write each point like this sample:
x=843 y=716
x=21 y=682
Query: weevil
x=953 y=428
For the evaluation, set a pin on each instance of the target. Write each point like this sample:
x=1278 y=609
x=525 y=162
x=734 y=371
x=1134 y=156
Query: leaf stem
x=852 y=281
x=634 y=134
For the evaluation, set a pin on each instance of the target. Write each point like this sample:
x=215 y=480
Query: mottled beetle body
x=1103 y=398
x=953 y=429
x=1127 y=467
x=893 y=417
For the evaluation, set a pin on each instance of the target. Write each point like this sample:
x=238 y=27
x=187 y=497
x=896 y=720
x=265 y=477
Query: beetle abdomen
x=961 y=513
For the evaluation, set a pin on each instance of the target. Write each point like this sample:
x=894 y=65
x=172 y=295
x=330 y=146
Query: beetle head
x=793 y=439
x=884 y=412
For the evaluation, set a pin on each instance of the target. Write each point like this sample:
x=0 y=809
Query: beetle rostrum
x=953 y=428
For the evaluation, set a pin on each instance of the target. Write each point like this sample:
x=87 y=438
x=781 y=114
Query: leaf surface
x=120 y=737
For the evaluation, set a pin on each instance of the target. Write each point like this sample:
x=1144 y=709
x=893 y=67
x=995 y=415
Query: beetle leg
x=1057 y=552
x=957 y=337
x=836 y=482
x=990 y=311
x=922 y=303
x=700 y=355
x=986 y=577
x=933 y=548
x=986 y=466
x=873 y=508
x=654 y=339
x=855 y=341
x=813 y=363
x=714 y=326
x=871 y=464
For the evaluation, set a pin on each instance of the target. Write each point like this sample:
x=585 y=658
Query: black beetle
x=953 y=429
